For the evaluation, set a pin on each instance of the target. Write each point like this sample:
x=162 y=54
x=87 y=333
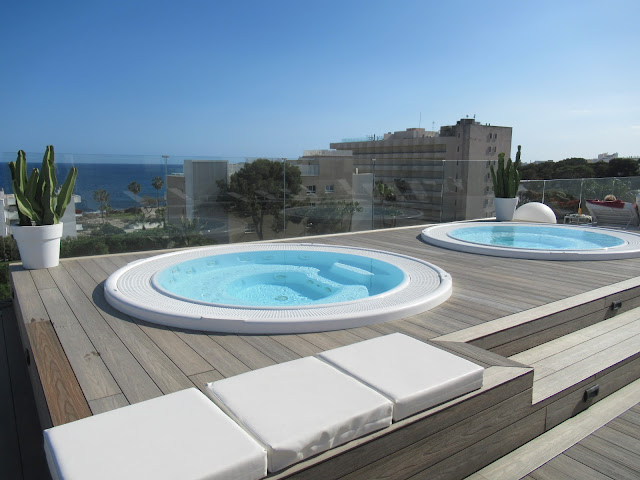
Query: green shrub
x=82 y=247
x=106 y=229
x=5 y=283
x=8 y=250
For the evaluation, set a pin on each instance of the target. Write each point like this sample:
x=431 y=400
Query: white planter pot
x=505 y=208
x=39 y=246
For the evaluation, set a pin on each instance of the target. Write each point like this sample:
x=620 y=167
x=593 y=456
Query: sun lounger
x=177 y=436
x=413 y=374
x=301 y=408
x=614 y=213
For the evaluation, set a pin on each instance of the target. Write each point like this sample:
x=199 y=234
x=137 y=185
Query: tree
x=600 y=169
x=102 y=197
x=256 y=190
x=574 y=171
x=623 y=167
x=580 y=168
x=134 y=187
x=386 y=193
x=157 y=183
x=349 y=208
x=574 y=162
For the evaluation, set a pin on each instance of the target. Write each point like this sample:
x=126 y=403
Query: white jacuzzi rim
x=129 y=290
x=438 y=235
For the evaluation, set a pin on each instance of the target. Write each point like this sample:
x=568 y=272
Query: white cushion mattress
x=300 y=408
x=413 y=374
x=181 y=435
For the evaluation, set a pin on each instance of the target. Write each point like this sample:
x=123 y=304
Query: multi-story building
x=326 y=172
x=193 y=195
x=444 y=174
x=328 y=177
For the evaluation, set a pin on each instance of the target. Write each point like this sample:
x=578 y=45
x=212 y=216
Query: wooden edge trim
x=486 y=329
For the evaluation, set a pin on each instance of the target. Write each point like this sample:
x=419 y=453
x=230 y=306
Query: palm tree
x=102 y=197
x=157 y=183
x=386 y=193
x=134 y=187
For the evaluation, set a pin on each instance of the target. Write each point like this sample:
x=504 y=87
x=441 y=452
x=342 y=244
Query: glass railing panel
x=134 y=202
x=567 y=196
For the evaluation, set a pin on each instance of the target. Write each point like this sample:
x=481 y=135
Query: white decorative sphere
x=534 y=212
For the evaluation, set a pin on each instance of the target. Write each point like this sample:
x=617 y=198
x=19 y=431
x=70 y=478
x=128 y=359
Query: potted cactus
x=505 y=187
x=40 y=207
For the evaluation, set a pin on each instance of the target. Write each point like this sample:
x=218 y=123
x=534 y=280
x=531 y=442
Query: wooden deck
x=96 y=359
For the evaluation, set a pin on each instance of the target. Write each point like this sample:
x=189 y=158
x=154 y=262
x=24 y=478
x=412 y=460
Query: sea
x=114 y=178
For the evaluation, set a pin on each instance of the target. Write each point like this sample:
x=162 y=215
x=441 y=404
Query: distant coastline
x=112 y=177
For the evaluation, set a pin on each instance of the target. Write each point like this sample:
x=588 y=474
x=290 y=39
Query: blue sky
x=258 y=78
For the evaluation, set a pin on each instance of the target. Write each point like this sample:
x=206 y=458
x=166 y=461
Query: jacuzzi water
x=286 y=278
x=536 y=237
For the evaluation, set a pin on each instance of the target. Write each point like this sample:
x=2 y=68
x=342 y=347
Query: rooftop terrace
x=525 y=321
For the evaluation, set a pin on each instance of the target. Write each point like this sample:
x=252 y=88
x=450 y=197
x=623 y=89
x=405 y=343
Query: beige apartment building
x=326 y=173
x=444 y=174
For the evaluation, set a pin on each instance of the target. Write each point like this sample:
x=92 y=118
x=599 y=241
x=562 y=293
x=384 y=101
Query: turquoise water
x=536 y=237
x=286 y=278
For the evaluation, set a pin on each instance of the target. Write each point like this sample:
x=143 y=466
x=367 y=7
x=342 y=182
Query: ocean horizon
x=114 y=178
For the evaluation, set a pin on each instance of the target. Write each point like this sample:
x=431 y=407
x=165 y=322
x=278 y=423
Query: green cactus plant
x=38 y=199
x=506 y=179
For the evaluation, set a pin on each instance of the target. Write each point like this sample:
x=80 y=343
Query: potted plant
x=505 y=187
x=40 y=207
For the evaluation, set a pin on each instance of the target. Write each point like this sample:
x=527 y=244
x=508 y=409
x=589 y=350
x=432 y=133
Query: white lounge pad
x=300 y=408
x=181 y=435
x=415 y=375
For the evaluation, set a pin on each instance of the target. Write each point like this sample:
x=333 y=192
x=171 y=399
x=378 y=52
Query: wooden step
x=567 y=361
x=586 y=428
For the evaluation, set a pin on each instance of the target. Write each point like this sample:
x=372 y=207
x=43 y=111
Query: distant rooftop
x=326 y=153
x=402 y=134
x=366 y=138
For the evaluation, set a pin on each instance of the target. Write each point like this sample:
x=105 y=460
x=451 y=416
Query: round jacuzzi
x=535 y=241
x=276 y=288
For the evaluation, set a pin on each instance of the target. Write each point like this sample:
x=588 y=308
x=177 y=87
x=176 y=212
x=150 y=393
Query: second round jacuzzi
x=534 y=241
